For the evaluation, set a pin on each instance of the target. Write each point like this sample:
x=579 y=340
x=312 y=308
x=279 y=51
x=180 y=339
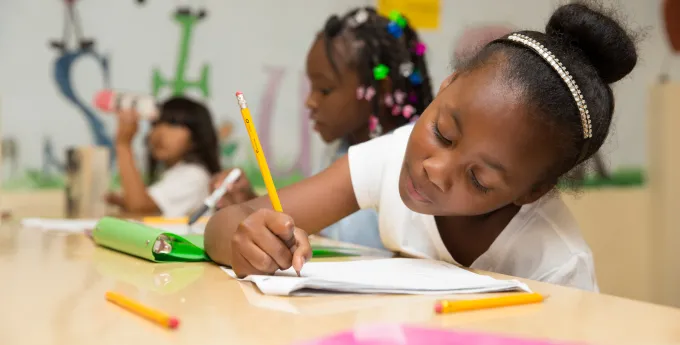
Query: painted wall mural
x=187 y=18
x=73 y=47
x=192 y=47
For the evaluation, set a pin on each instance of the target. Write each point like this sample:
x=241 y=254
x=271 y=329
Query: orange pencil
x=454 y=306
x=143 y=311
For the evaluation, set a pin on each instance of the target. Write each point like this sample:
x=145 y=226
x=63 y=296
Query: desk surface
x=52 y=292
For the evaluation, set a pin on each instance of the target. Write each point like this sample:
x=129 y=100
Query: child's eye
x=326 y=91
x=477 y=184
x=439 y=135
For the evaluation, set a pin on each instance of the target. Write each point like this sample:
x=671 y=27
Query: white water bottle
x=110 y=101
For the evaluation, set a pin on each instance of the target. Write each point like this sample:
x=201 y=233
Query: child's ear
x=447 y=81
x=535 y=194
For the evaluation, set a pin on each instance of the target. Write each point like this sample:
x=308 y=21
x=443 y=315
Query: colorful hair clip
x=395 y=30
x=370 y=92
x=412 y=97
x=396 y=17
x=358 y=19
x=406 y=68
x=389 y=101
x=399 y=96
x=396 y=110
x=361 y=91
x=416 y=78
x=408 y=111
x=420 y=48
x=374 y=127
x=380 y=72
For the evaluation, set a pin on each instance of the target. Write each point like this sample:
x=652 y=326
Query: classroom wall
x=257 y=47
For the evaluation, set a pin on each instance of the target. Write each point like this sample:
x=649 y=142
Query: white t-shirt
x=181 y=189
x=542 y=242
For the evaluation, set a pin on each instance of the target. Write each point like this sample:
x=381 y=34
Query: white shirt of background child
x=181 y=189
x=542 y=242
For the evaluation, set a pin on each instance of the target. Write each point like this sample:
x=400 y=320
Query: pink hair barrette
x=408 y=111
x=420 y=48
x=370 y=92
x=396 y=110
x=389 y=101
x=361 y=91
x=399 y=96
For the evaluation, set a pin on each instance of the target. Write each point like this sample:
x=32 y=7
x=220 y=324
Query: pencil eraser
x=173 y=322
x=438 y=307
x=102 y=99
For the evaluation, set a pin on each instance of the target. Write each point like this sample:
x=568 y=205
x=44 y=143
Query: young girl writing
x=468 y=183
x=183 y=144
x=368 y=77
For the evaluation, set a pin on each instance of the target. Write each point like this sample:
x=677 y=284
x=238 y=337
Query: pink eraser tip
x=438 y=307
x=239 y=93
x=102 y=99
x=173 y=322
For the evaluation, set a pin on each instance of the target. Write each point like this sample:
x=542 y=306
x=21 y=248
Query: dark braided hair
x=372 y=44
x=595 y=49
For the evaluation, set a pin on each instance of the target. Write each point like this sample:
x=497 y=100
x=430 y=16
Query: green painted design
x=623 y=177
x=252 y=171
x=228 y=149
x=180 y=84
x=35 y=179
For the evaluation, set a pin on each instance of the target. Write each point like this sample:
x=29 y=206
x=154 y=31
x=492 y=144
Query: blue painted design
x=62 y=76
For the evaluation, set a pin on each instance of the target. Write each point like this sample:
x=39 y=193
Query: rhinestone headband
x=564 y=74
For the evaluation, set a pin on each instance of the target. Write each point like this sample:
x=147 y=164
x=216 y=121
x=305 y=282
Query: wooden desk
x=52 y=292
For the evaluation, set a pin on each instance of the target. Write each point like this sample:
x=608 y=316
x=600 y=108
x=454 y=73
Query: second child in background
x=368 y=77
x=182 y=155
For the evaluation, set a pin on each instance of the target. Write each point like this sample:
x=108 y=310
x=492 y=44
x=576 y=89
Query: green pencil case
x=147 y=242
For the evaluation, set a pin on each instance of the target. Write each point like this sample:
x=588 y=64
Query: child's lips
x=414 y=192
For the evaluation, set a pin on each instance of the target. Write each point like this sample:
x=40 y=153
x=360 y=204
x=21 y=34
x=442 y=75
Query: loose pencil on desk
x=442 y=307
x=143 y=311
x=261 y=161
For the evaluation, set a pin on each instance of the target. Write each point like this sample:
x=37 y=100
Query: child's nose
x=438 y=172
x=311 y=102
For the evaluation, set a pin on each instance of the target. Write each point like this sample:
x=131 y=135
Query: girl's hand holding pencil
x=267 y=241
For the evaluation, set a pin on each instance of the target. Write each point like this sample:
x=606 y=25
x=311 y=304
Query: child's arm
x=136 y=199
x=311 y=204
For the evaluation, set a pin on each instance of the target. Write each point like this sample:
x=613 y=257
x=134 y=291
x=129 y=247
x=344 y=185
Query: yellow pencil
x=143 y=311
x=261 y=161
x=454 y=306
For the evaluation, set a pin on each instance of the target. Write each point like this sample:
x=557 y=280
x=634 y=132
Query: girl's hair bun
x=604 y=42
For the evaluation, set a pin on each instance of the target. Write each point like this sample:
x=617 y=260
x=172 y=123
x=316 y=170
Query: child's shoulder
x=403 y=131
x=551 y=217
x=187 y=170
x=544 y=242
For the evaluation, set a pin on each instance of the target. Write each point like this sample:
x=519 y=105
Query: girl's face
x=169 y=143
x=334 y=109
x=476 y=149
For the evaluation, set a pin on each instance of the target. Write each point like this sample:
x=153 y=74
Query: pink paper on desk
x=404 y=335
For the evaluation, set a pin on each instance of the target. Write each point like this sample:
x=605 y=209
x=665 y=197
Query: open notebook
x=380 y=276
